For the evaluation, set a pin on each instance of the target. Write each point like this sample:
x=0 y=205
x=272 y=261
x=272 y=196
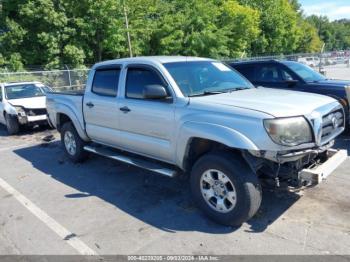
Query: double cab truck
x=294 y=76
x=22 y=104
x=197 y=116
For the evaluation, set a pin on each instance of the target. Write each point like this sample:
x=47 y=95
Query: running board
x=131 y=160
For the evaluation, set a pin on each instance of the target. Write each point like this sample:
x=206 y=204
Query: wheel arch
x=65 y=115
x=196 y=139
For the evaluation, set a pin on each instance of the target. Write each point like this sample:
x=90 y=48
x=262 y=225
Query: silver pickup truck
x=196 y=116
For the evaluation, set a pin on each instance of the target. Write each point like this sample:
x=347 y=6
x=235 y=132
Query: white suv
x=22 y=103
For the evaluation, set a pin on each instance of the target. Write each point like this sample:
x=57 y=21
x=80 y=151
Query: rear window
x=106 y=82
x=247 y=71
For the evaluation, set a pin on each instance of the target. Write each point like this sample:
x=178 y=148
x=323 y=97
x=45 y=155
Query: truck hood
x=333 y=83
x=331 y=87
x=275 y=102
x=30 y=103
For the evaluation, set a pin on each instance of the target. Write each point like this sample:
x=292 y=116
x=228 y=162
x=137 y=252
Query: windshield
x=23 y=91
x=305 y=72
x=206 y=77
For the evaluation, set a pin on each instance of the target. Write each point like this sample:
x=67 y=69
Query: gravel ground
x=105 y=207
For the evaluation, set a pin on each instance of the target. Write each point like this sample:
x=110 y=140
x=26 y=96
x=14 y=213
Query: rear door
x=100 y=106
x=147 y=125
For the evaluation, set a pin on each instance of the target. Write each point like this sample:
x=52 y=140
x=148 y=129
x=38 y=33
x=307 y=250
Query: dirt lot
x=51 y=206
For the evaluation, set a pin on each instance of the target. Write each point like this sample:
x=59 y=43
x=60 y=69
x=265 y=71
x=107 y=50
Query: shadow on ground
x=162 y=202
x=25 y=132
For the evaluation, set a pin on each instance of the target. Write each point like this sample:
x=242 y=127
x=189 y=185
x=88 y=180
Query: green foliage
x=335 y=34
x=54 y=33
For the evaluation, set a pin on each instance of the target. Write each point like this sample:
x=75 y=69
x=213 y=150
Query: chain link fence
x=59 y=80
x=334 y=65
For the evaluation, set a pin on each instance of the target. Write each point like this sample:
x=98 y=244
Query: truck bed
x=67 y=102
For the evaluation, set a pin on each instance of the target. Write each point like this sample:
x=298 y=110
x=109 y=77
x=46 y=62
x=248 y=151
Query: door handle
x=125 y=109
x=90 y=105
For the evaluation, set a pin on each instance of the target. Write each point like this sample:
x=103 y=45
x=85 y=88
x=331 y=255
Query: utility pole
x=127 y=28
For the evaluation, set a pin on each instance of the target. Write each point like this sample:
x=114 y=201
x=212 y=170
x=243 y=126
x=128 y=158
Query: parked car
x=22 y=104
x=310 y=61
x=197 y=116
x=294 y=76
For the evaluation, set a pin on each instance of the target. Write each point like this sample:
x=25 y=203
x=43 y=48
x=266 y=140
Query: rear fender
x=79 y=126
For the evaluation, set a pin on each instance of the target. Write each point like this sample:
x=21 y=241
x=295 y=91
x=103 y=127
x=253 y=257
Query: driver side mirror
x=154 y=92
x=292 y=82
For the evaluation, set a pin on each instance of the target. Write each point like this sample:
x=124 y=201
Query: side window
x=247 y=71
x=106 y=82
x=286 y=75
x=268 y=73
x=138 y=78
x=0 y=93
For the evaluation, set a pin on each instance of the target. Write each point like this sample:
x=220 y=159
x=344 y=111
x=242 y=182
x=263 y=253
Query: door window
x=106 y=82
x=285 y=75
x=268 y=73
x=138 y=78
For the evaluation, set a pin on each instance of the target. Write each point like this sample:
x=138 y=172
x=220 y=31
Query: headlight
x=289 y=131
x=20 y=111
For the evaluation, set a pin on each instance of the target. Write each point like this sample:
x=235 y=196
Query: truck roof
x=156 y=59
x=20 y=83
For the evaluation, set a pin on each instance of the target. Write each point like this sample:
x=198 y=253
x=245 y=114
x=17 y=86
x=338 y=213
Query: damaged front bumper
x=316 y=173
x=31 y=120
x=297 y=168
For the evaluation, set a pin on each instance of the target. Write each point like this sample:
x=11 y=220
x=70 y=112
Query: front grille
x=35 y=111
x=332 y=123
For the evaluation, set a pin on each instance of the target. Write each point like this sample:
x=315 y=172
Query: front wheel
x=12 y=124
x=225 y=188
x=72 y=143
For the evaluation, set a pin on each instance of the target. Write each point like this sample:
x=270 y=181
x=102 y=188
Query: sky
x=334 y=9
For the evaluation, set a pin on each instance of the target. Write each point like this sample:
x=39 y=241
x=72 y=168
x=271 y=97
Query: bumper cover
x=30 y=120
x=316 y=174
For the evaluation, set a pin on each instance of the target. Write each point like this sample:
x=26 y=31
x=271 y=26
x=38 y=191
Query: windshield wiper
x=206 y=93
x=238 y=89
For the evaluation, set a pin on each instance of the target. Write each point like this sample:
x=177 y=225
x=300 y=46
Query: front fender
x=66 y=110
x=221 y=134
x=10 y=109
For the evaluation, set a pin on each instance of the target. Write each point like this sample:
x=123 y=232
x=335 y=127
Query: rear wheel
x=72 y=143
x=12 y=124
x=225 y=188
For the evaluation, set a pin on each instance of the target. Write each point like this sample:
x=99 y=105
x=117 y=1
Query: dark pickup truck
x=290 y=75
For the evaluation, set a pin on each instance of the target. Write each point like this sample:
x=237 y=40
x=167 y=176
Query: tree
x=278 y=24
x=53 y=33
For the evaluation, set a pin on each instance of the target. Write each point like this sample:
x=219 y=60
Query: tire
x=72 y=143
x=12 y=124
x=245 y=188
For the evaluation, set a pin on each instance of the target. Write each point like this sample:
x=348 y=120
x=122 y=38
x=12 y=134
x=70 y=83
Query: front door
x=275 y=76
x=147 y=125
